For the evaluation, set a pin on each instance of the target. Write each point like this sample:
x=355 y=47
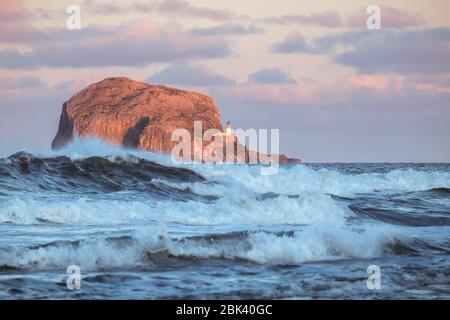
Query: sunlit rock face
x=134 y=114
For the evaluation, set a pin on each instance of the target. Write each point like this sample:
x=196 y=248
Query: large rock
x=134 y=114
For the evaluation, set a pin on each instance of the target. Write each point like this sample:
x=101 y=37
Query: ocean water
x=141 y=227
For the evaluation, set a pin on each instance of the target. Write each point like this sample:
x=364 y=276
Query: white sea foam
x=83 y=148
x=318 y=243
x=311 y=244
x=90 y=254
x=301 y=178
x=234 y=209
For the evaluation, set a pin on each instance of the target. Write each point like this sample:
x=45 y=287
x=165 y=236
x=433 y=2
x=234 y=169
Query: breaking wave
x=325 y=212
x=154 y=247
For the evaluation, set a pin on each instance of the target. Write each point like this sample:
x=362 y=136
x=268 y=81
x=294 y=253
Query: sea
x=94 y=221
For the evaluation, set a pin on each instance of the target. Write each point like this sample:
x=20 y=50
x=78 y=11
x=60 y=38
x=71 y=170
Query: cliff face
x=136 y=115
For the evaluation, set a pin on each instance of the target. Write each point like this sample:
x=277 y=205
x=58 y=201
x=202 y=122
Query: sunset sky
x=337 y=91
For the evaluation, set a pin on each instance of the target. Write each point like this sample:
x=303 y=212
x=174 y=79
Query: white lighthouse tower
x=229 y=130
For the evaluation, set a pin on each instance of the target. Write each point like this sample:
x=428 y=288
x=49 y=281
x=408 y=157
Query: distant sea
x=141 y=227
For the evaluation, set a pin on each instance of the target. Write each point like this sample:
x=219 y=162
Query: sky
x=337 y=91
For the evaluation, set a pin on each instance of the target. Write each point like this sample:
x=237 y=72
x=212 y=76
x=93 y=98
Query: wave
x=90 y=165
x=331 y=214
x=403 y=217
x=426 y=208
x=93 y=182
x=237 y=208
x=152 y=247
x=445 y=191
x=23 y=172
x=301 y=178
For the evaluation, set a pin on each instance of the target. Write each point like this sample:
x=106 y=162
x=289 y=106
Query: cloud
x=294 y=43
x=270 y=76
x=404 y=52
x=184 y=8
x=329 y=19
x=14 y=26
x=391 y=18
x=269 y=94
x=378 y=83
x=7 y=83
x=379 y=51
x=11 y=10
x=13 y=89
x=262 y=91
x=437 y=83
x=112 y=7
x=15 y=32
x=189 y=74
x=227 y=29
x=176 y=8
x=136 y=44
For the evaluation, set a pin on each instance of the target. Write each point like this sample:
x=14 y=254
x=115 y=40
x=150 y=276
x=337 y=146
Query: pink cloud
x=140 y=28
x=13 y=22
x=11 y=9
x=432 y=84
x=381 y=83
x=18 y=31
x=133 y=44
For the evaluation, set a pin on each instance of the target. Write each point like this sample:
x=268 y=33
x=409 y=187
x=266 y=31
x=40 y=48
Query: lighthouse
x=229 y=130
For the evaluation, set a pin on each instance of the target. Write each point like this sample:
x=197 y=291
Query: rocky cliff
x=135 y=114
